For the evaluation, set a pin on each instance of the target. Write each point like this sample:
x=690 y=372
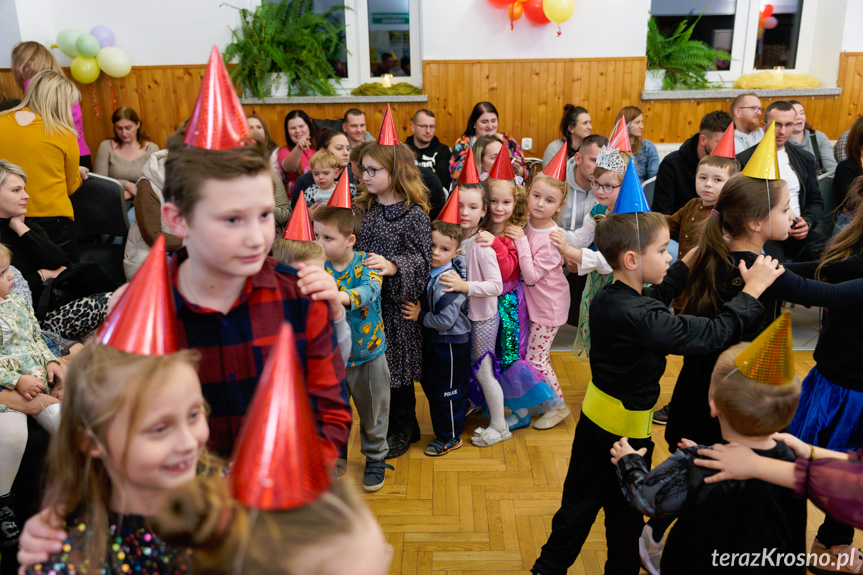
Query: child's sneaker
x=649 y=550
x=551 y=418
x=375 y=475
x=660 y=417
x=514 y=422
x=8 y=527
x=440 y=446
x=843 y=559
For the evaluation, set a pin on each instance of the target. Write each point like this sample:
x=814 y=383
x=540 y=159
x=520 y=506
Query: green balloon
x=66 y=41
x=87 y=45
x=85 y=70
x=114 y=62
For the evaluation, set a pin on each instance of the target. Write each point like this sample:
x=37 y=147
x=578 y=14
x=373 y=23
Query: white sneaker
x=551 y=418
x=649 y=550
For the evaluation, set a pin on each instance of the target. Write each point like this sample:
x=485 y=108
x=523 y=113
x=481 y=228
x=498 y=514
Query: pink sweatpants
x=539 y=353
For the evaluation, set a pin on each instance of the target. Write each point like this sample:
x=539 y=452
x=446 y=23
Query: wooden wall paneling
x=529 y=95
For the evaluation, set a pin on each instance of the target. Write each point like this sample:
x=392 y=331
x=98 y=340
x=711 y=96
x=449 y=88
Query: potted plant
x=285 y=44
x=676 y=60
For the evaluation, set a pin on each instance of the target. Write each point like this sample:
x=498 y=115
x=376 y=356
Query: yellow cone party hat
x=764 y=164
x=768 y=359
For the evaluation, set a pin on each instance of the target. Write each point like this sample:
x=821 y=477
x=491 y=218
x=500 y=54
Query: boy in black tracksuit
x=446 y=344
x=631 y=333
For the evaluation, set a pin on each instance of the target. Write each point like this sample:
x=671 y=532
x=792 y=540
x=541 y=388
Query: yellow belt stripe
x=609 y=414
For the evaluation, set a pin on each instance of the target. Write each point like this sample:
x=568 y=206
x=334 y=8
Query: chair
x=825 y=226
x=648 y=186
x=101 y=220
x=532 y=166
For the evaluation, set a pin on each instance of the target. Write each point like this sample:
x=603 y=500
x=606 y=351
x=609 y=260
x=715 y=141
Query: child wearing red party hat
x=278 y=512
x=446 y=333
x=231 y=297
x=395 y=233
x=115 y=456
x=368 y=374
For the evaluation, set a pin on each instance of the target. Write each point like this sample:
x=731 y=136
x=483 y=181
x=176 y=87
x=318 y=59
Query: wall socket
x=526 y=144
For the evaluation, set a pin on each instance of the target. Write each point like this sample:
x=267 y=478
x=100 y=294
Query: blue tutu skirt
x=829 y=415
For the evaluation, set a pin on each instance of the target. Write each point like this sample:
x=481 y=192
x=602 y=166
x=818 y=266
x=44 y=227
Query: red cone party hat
x=144 y=320
x=341 y=197
x=388 y=135
x=725 y=147
x=278 y=463
x=619 y=139
x=218 y=121
x=556 y=168
x=450 y=212
x=502 y=168
x=468 y=173
x=300 y=225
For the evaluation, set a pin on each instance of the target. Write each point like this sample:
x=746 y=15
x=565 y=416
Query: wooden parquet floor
x=481 y=511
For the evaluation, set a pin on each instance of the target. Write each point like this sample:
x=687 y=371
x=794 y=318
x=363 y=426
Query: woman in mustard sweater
x=39 y=135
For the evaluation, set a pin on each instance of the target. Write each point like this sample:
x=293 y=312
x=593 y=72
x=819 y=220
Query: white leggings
x=13 y=440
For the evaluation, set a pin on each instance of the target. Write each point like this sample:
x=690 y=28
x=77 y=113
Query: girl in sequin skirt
x=133 y=428
x=523 y=386
x=483 y=286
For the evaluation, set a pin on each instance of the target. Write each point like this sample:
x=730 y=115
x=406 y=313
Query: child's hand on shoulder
x=622 y=448
x=514 y=232
x=800 y=448
x=734 y=461
x=452 y=282
x=558 y=240
x=29 y=386
x=411 y=310
x=318 y=285
x=761 y=275
x=381 y=265
x=484 y=238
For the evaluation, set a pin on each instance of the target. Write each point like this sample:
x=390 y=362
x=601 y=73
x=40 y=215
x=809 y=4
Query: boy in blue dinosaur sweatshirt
x=367 y=371
x=446 y=343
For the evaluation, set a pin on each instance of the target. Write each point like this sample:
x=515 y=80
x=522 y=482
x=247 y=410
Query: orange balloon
x=766 y=11
x=516 y=10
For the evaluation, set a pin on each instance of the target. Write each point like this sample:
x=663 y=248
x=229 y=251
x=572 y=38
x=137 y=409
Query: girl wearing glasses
x=124 y=156
x=577 y=247
x=396 y=234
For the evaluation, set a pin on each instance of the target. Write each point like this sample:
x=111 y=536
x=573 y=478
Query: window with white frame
x=382 y=37
x=759 y=34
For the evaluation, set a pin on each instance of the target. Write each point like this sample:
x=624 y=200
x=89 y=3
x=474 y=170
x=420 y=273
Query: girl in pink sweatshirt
x=523 y=386
x=546 y=288
x=483 y=287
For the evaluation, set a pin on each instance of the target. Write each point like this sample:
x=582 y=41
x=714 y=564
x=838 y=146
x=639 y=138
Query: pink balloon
x=770 y=23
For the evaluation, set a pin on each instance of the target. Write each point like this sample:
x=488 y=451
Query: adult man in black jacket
x=800 y=171
x=675 y=181
x=429 y=151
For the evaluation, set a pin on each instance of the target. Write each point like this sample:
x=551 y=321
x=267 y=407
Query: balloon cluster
x=766 y=19
x=539 y=12
x=93 y=53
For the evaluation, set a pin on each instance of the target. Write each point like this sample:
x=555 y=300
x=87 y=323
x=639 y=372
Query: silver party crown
x=610 y=159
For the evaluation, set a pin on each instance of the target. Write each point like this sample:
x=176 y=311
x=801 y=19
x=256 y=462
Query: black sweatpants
x=446 y=383
x=591 y=484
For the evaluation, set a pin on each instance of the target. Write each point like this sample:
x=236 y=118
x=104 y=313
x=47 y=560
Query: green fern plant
x=288 y=38
x=684 y=60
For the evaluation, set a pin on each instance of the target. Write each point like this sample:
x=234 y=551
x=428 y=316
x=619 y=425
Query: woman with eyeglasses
x=124 y=156
x=575 y=126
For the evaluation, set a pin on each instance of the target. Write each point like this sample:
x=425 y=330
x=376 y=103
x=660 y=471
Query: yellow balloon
x=85 y=70
x=558 y=11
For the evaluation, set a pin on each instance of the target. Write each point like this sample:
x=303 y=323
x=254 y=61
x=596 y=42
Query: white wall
x=852 y=40
x=476 y=30
x=152 y=32
x=10 y=33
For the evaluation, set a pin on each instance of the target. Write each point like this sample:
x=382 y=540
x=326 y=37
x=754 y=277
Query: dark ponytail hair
x=743 y=200
x=570 y=116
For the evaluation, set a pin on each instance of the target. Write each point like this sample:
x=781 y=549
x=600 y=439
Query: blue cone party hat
x=631 y=198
